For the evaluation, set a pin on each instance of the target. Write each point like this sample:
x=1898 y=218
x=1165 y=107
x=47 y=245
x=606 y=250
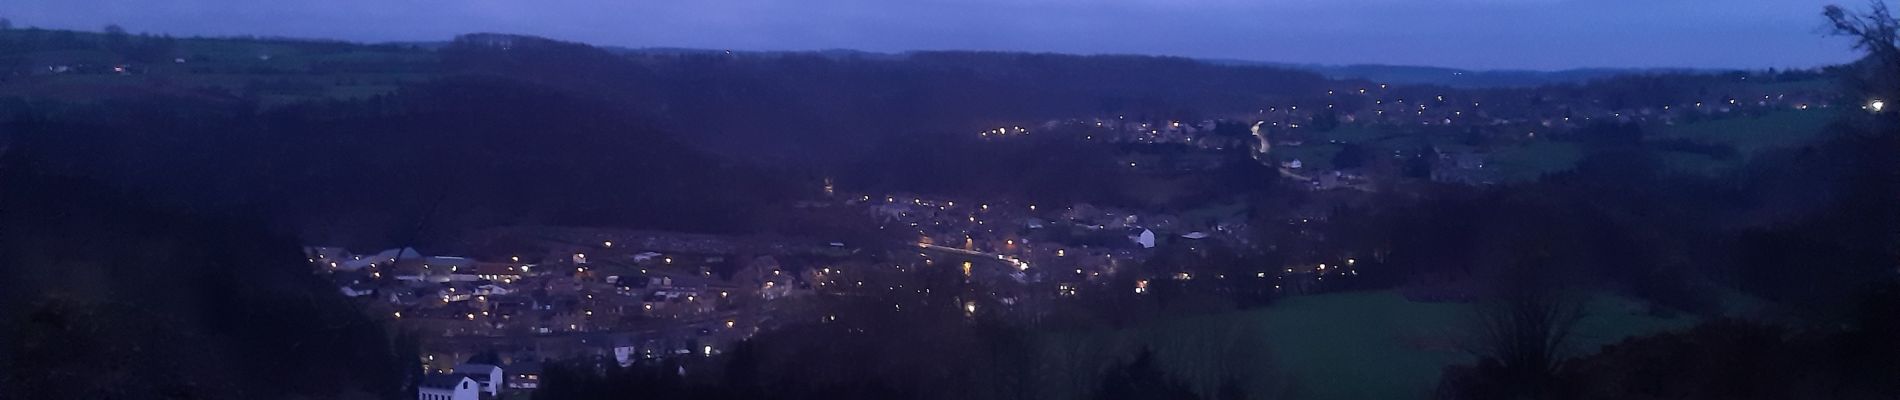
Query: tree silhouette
x=1142 y=379
x=1876 y=32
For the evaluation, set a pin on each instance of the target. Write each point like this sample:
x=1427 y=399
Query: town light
x=1877 y=105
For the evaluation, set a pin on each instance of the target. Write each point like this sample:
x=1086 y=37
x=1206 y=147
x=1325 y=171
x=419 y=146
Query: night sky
x=1516 y=34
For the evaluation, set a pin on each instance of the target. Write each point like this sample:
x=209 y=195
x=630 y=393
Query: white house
x=486 y=375
x=448 y=387
x=358 y=290
x=1146 y=238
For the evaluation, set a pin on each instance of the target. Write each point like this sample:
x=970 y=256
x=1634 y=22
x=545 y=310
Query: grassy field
x=1531 y=161
x=276 y=71
x=1753 y=134
x=1356 y=134
x=1362 y=345
x=1748 y=135
x=1317 y=156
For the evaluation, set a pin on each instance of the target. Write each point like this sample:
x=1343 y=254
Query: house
x=1146 y=238
x=330 y=253
x=527 y=375
x=439 y=269
x=448 y=387
x=489 y=376
x=358 y=290
x=767 y=276
x=391 y=255
x=497 y=272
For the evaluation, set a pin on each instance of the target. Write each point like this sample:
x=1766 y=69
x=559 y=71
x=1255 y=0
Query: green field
x=1532 y=160
x=1748 y=135
x=1313 y=156
x=1753 y=134
x=1362 y=345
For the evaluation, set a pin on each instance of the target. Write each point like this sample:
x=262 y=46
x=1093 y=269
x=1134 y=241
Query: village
x=517 y=297
x=528 y=295
x=1467 y=137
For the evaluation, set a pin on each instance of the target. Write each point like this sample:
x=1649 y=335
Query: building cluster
x=1499 y=118
x=605 y=299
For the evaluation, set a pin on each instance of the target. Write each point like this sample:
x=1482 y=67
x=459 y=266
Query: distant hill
x=1394 y=74
x=1462 y=78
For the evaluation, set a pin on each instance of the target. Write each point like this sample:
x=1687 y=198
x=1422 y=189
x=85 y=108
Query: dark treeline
x=455 y=154
x=818 y=107
x=109 y=296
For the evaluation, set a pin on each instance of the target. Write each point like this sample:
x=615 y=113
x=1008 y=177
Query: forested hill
x=378 y=143
x=826 y=106
x=373 y=142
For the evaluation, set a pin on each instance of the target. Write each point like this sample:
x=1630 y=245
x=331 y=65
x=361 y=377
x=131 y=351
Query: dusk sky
x=1484 y=34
